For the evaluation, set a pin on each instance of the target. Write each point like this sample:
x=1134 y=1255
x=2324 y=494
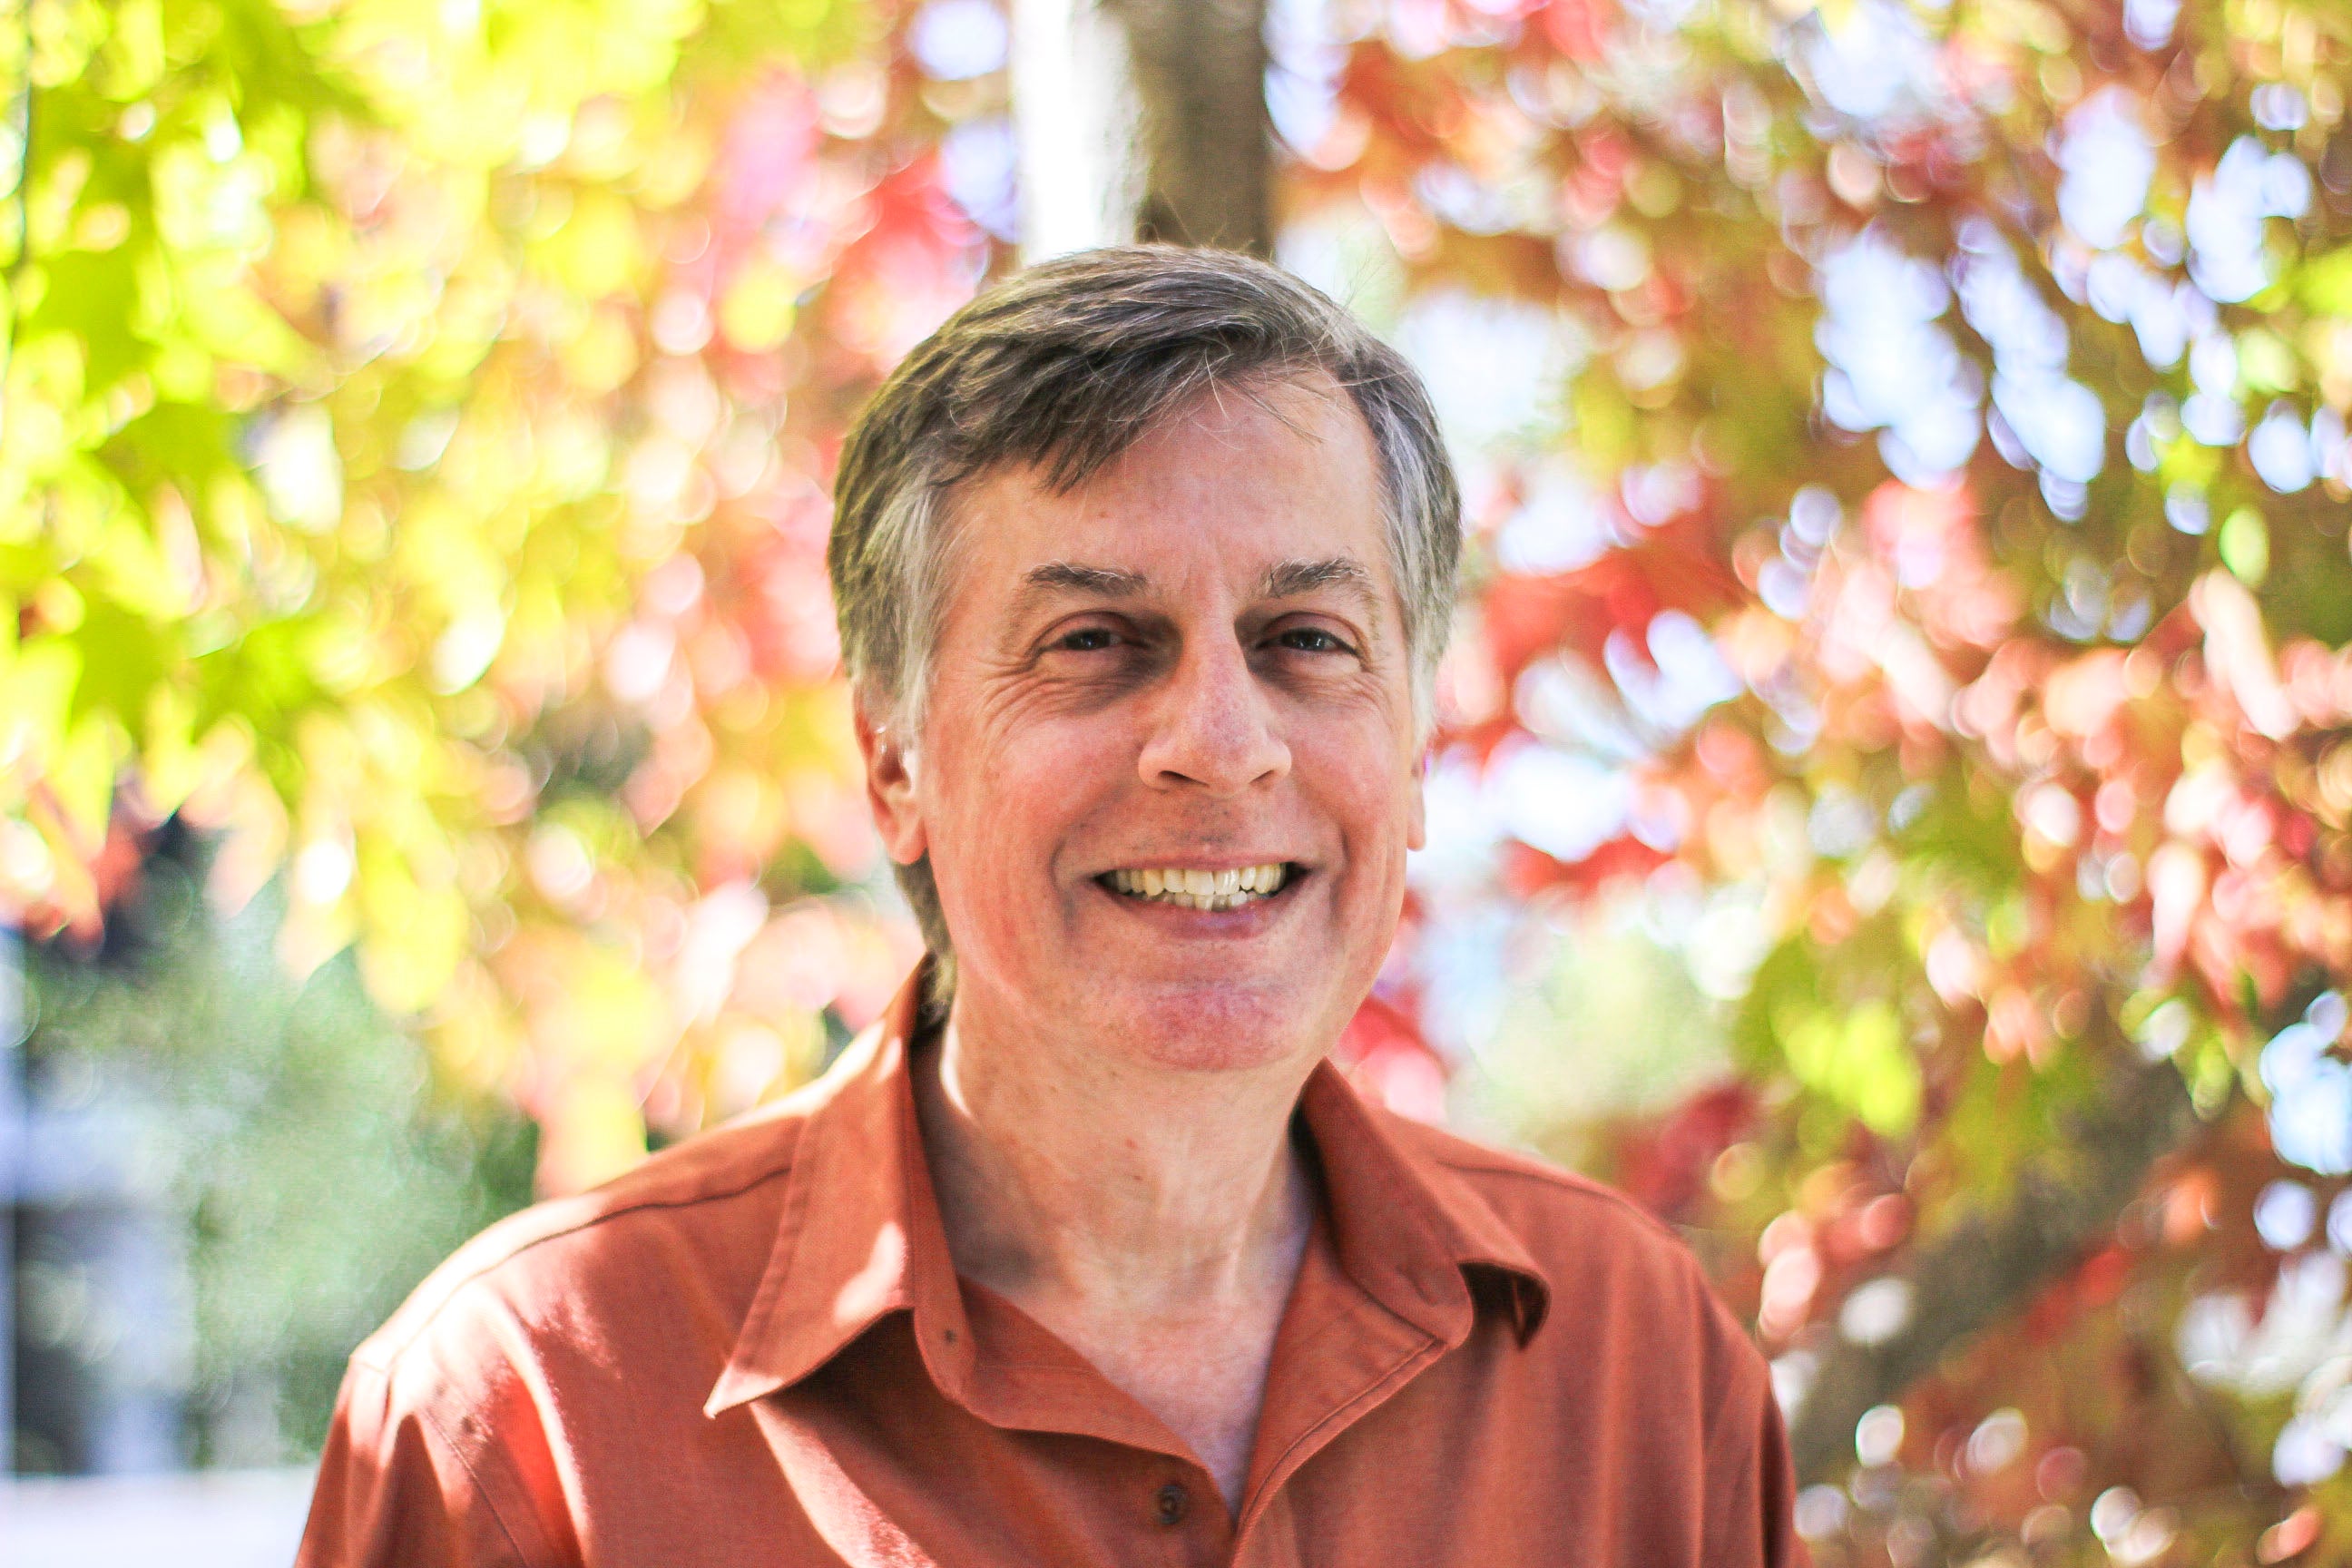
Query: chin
x=1197 y=1052
x=1218 y=1029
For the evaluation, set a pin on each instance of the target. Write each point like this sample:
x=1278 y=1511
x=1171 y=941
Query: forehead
x=1234 y=480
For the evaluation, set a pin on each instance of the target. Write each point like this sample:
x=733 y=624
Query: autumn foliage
x=1907 y=464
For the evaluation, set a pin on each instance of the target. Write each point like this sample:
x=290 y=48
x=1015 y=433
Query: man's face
x=1194 y=663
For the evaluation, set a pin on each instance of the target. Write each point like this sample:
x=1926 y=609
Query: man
x=1143 y=563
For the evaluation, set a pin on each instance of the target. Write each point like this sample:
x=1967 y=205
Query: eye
x=1311 y=639
x=1085 y=639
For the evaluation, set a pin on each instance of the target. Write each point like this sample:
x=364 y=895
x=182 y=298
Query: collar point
x=739 y=1385
x=733 y=1389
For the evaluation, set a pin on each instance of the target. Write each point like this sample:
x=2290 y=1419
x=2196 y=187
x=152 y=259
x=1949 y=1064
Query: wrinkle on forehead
x=1282 y=580
x=1299 y=398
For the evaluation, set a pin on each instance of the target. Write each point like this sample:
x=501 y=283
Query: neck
x=1069 y=1173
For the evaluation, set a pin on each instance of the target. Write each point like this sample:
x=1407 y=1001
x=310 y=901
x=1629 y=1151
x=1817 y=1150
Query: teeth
x=1227 y=890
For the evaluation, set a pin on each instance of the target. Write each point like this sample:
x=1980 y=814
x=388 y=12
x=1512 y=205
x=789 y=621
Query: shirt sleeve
x=394 y=1488
x=1775 y=1501
x=1751 y=1485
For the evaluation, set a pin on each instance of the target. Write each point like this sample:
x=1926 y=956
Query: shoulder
x=613 y=1310
x=700 y=1216
x=1541 y=1202
x=1605 y=1258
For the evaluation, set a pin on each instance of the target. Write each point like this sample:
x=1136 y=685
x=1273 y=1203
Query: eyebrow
x=1095 y=581
x=1289 y=579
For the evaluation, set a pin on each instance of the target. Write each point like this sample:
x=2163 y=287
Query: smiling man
x=1085 y=1254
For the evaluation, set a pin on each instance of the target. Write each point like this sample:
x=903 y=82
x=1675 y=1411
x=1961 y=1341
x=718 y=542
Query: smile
x=1226 y=889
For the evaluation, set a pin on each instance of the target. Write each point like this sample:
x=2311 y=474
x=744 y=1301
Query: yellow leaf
x=170 y=766
x=598 y=250
x=36 y=693
x=132 y=61
x=758 y=308
x=590 y=1131
x=81 y=774
x=601 y=355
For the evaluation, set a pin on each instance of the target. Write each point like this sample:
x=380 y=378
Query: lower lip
x=1241 y=921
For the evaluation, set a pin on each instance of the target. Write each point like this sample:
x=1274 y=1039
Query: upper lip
x=1202 y=863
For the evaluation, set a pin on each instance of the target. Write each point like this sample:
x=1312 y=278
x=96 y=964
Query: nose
x=1212 y=728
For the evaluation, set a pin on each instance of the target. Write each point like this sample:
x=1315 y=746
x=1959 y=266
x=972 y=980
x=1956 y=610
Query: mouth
x=1232 y=888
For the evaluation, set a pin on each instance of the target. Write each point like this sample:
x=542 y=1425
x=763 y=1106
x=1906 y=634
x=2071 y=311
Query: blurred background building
x=1892 y=806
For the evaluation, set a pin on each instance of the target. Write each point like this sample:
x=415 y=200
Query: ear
x=890 y=786
x=1416 y=828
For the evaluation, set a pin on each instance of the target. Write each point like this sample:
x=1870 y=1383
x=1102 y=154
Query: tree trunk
x=1142 y=119
x=1199 y=67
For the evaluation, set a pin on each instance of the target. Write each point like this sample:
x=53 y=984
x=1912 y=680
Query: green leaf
x=1859 y=1060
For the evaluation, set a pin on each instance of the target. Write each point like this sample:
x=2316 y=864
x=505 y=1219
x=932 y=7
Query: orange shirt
x=754 y=1349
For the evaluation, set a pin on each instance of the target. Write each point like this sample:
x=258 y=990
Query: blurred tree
x=412 y=469
x=287 y=1140
x=1907 y=460
x=1907 y=445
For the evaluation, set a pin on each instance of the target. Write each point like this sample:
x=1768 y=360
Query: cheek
x=1005 y=797
x=1362 y=787
x=988 y=865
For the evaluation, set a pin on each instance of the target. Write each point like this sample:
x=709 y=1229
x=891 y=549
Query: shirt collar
x=1409 y=1229
x=860 y=1235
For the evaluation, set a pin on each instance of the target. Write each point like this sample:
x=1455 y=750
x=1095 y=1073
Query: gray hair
x=1062 y=368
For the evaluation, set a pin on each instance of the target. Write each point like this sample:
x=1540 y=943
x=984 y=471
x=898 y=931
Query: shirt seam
x=490 y=1504
x=1341 y=1412
x=395 y=1352
x=1338 y=1324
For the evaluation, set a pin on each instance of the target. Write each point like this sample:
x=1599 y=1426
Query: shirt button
x=1170 y=1502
